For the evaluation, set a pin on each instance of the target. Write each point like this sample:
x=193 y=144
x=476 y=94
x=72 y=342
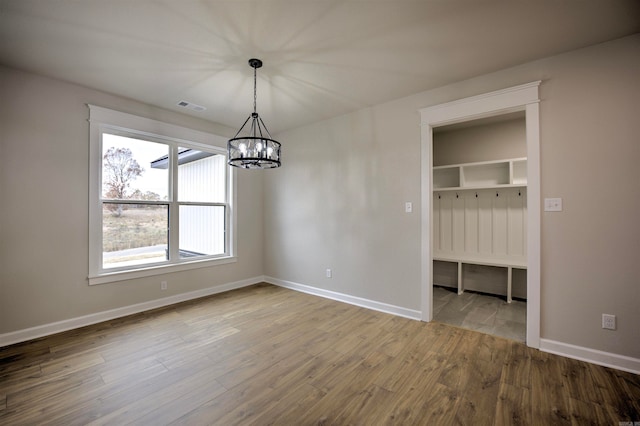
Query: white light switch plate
x=408 y=207
x=553 y=204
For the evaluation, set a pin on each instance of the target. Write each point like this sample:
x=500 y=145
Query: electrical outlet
x=163 y=285
x=608 y=322
x=328 y=272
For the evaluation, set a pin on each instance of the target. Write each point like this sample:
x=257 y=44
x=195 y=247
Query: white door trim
x=519 y=98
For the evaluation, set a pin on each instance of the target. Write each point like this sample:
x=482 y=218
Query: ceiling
x=322 y=58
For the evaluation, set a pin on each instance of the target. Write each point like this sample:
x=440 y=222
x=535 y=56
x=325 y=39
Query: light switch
x=553 y=204
x=408 y=207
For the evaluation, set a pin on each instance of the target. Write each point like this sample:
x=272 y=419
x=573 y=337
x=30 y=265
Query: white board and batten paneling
x=483 y=224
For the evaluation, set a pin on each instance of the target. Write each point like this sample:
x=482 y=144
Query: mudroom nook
x=479 y=219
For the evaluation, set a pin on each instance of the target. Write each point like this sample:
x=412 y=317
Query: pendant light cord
x=255 y=89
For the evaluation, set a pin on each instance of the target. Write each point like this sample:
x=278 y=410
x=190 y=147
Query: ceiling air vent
x=191 y=106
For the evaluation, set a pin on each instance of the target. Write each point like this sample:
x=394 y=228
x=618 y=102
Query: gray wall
x=486 y=142
x=338 y=201
x=44 y=151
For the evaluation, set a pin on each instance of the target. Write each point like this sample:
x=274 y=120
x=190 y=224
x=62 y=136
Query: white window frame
x=103 y=120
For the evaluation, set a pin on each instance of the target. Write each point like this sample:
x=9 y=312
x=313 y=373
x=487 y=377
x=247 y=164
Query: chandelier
x=254 y=149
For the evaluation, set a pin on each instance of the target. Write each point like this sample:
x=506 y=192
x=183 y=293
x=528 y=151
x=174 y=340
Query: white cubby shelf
x=485 y=174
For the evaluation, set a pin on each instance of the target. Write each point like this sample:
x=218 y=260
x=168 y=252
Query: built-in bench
x=508 y=263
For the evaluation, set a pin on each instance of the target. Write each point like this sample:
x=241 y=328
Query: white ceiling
x=321 y=58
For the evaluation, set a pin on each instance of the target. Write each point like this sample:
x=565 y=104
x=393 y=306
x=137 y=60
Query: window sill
x=108 y=277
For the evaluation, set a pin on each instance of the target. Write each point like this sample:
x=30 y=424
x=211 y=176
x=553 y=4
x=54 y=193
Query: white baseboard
x=606 y=359
x=352 y=300
x=69 y=324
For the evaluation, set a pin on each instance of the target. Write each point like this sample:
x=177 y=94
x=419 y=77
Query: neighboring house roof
x=185 y=155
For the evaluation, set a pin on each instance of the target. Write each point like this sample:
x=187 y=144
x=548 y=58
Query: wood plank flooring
x=265 y=355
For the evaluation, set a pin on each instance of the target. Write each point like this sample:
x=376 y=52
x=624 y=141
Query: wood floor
x=266 y=355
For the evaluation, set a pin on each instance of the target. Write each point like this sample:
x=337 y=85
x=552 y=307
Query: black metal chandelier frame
x=257 y=149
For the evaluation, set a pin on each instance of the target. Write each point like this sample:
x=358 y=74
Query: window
x=160 y=198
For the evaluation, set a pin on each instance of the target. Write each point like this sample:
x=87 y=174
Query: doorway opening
x=481 y=212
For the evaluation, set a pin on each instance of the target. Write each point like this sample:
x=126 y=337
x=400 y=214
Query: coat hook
x=519 y=194
x=438 y=196
x=476 y=195
x=456 y=195
x=497 y=195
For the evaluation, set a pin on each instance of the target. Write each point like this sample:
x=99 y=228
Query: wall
x=338 y=201
x=44 y=149
x=483 y=142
